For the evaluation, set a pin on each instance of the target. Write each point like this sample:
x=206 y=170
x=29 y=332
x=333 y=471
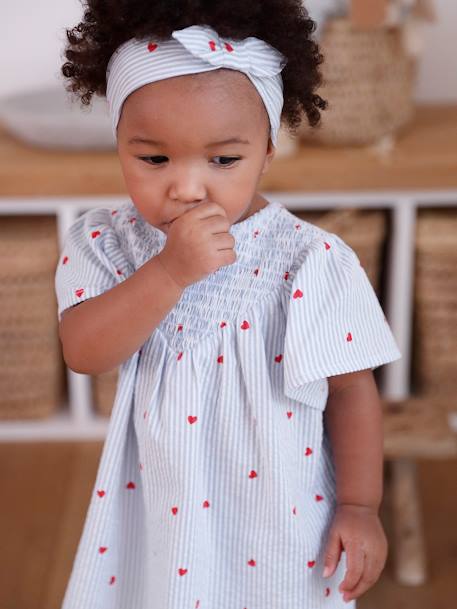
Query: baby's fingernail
x=326 y=572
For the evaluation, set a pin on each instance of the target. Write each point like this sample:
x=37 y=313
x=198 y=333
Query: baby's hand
x=359 y=531
x=198 y=244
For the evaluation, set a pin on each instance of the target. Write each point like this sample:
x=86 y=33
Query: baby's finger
x=332 y=553
x=370 y=575
x=355 y=566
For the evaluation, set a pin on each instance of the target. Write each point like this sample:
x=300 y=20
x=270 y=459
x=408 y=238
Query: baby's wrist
x=168 y=274
x=365 y=508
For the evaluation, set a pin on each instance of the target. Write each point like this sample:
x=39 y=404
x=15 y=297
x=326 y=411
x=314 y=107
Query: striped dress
x=216 y=485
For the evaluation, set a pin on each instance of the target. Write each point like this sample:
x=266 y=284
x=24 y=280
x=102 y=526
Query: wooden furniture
x=420 y=170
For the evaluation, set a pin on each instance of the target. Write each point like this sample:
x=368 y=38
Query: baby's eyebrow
x=232 y=140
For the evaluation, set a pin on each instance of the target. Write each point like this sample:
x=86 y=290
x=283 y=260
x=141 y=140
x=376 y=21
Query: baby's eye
x=230 y=159
x=155 y=159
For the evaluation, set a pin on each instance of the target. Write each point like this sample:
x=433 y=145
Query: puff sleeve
x=91 y=261
x=335 y=323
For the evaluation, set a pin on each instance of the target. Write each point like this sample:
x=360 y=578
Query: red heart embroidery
x=286 y=275
x=101 y=493
x=252 y=474
x=245 y=325
x=349 y=337
x=256 y=232
x=278 y=358
x=182 y=571
x=319 y=498
x=297 y=226
x=256 y=272
x=223 y=324
x=179 y=356
x=220 y=359
x=102 y=549
x=132 y=220
x=327 y=591
x=130 y=485
x=95 y=233
x=229 y=47
x=79 y=292
x=174 y=510
x=119 y=272
x=112 y=580
x=289 y=414
x=65 y=260
x=251 y=562
x=308 y=451
x=206 y=504
x=152 y=47
x=191 y=419
x=180 y=328
x=327 y=245
x=311 y=563
x=294 y=511
x=212 y=45
x=298 y=294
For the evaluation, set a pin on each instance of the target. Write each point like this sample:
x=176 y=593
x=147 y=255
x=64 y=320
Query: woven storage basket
x=32 y=371
x=435 y=313
x=363 y=230
x=368 y=81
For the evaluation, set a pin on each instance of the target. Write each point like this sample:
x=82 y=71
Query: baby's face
x=184 y=166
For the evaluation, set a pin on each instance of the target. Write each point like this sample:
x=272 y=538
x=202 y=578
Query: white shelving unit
x=77 y=420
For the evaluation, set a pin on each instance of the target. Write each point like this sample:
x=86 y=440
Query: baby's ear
x=271 y=150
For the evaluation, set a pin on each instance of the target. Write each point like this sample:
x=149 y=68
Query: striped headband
x=195 y=49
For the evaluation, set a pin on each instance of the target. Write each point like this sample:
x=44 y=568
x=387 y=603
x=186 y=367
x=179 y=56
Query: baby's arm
x=353 y=419
x=104 y=331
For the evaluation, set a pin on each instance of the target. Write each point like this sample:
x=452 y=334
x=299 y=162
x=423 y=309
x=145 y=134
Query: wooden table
x=424 y=157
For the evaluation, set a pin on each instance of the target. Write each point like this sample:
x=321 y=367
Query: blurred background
x=381 y=171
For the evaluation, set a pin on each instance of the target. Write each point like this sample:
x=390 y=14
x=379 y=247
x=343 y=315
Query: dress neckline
x=259 y=217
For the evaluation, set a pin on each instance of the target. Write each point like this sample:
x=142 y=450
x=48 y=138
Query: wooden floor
x=45 y=490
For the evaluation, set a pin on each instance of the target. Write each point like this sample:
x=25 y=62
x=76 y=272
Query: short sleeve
x=335 y=323
x=91 y=261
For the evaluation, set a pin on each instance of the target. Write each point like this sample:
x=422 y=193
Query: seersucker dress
x=216 y=485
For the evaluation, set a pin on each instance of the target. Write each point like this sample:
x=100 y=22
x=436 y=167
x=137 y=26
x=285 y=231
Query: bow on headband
x=251 y=55
x=194 y=49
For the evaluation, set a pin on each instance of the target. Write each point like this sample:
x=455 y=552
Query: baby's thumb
x=332 y=553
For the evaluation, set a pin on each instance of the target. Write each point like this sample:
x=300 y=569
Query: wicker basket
x=368 y=81
x=32 y=371
x=435 y=313
x=364 y=231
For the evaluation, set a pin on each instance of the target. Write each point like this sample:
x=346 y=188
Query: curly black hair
x=285 y=24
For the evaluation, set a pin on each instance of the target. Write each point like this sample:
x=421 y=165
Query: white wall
x=32 y=36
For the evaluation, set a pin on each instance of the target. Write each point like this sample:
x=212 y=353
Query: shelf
x=77 y=421
x=61 y=426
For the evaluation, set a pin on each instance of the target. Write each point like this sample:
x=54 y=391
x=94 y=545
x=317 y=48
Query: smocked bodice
x=265 y=246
